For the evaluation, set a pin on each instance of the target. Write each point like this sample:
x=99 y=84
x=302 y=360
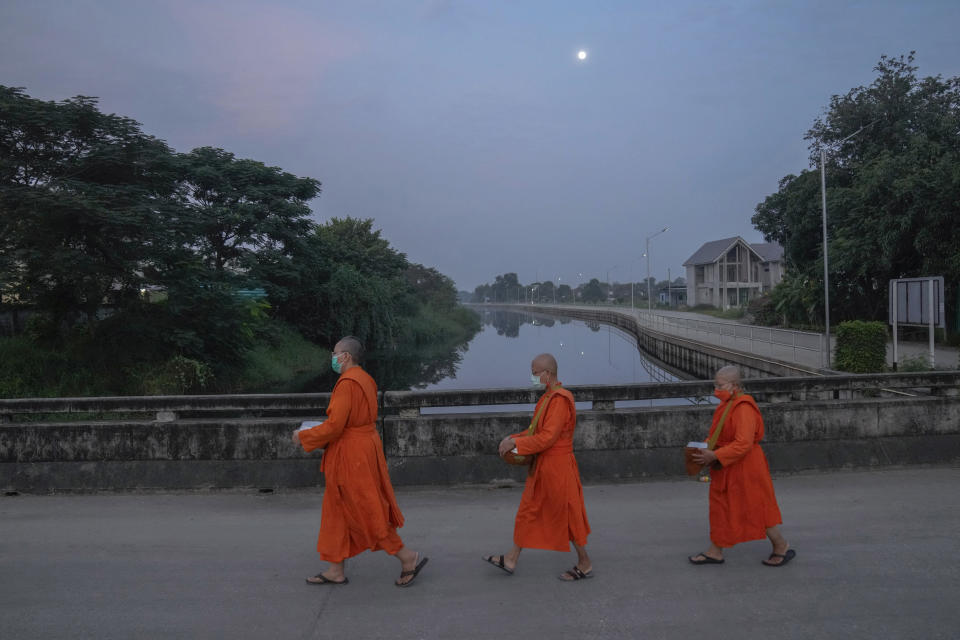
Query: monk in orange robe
x=742 y=503
x=551 y=513
x=359 y=509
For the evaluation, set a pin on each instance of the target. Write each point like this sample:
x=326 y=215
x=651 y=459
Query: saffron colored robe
x=359 y=509
x=742 y=502
x=551 y=511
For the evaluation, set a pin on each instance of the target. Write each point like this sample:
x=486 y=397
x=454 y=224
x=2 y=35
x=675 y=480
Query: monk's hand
x=296 y=438
x=507 y=445
x=704 y=457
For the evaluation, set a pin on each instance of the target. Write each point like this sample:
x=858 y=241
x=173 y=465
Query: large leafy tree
x=240 y=207
x=893 y=195
x=85 y=201
x=344 y=279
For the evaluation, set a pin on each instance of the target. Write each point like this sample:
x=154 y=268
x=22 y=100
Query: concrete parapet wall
x=639 y=443
x=818 y=433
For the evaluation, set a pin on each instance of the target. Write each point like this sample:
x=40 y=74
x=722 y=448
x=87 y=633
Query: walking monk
x=742 y=503
x=359 y=509
x=551 y=514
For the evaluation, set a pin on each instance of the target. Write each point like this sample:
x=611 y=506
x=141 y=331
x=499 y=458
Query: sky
x=470 y=131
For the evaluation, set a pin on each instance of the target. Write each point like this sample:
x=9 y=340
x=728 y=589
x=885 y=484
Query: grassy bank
x=29 y=368
x=280 y=361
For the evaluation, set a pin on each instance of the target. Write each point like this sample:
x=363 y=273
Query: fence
x=802 y=347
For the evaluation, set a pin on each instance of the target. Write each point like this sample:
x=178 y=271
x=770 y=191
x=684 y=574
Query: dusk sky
x=470 y=131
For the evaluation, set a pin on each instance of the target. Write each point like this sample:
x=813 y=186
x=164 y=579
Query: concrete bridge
x=449 y=437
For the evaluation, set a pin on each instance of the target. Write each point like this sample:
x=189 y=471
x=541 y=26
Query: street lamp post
x=609 y=285
x=826 y=275
x=632 y=262
x=649 y=288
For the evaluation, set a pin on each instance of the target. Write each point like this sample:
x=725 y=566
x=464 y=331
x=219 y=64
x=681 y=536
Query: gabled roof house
x=731 y=272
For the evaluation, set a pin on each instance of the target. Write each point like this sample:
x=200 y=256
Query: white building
x=731 y=272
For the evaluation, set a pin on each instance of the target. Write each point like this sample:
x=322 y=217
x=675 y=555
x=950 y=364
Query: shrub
x=915 y=363
x=177 y=376
x=763 y=310
x=861 y=347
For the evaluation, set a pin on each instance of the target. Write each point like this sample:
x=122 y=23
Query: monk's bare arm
x=745 y=422
x=338 y=411
x=555 y=418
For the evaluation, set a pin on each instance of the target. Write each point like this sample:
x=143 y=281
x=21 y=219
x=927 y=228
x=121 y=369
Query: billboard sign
x=910 y=302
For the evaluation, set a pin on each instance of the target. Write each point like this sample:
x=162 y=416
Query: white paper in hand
x=308 y=424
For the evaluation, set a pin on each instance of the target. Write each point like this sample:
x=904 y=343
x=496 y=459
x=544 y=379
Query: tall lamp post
x=826 y=274
x=649 y=288
x=616 y=266
x=632 y=262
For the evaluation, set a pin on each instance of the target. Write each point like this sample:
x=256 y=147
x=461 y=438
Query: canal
x=586 y=352
x=498 y=357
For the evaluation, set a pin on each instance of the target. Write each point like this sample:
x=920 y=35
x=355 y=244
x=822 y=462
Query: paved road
x=797 y=347
x=877 y=558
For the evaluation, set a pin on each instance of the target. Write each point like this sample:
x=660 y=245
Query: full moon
x=582 y=55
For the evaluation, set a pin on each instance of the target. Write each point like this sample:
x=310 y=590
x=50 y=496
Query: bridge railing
x=412 y=403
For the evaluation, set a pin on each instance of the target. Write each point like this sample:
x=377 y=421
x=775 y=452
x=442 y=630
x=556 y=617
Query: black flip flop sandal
x=499 y=564
x=320 y=579
x=414 y=572
x=575 y=574
x=787 y=557
x=706 y=560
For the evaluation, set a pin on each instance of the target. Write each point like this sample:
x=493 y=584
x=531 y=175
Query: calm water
x=498 y=357
x=587 y=353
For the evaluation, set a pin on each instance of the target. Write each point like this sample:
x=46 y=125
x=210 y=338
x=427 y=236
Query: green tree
x=86 y=204
x=593 y=291
x=431 y=287
x=893 y=196
x=344 y=279
x=238 y=208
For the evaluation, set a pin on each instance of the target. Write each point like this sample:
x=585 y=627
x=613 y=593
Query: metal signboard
x=917 y=302
x=910 y=302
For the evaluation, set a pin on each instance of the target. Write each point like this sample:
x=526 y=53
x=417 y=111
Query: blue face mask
x=535 y=381
x=335 y=364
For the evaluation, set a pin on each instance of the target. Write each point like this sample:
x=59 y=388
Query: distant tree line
x=893 y=198
x=507 y=288
x=115 y=241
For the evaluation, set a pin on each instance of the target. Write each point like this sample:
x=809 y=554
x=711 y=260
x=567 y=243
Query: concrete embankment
x=675 y=352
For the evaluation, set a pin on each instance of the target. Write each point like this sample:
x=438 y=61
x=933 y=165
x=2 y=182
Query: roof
x=711 y=251
x=769 y=251
x=714 y=250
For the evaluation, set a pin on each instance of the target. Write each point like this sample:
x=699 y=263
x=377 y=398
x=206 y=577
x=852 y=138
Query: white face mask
x=535 y=381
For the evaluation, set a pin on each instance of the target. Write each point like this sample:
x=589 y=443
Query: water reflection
x=404 y=370
x=587 y=353
x=499 y=355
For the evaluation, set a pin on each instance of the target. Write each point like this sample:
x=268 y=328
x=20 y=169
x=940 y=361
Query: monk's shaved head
x=545 y=362
x=351 y=345
x=729 y=374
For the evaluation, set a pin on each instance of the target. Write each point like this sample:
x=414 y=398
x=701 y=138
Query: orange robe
x=551 y=511
x=742 y=502
x=359 y=509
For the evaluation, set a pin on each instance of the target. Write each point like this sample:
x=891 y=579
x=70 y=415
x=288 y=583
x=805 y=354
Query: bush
x=911 y=364
x=861 y=347
x=177 y=376
x=763 y=310
x=282 y=361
